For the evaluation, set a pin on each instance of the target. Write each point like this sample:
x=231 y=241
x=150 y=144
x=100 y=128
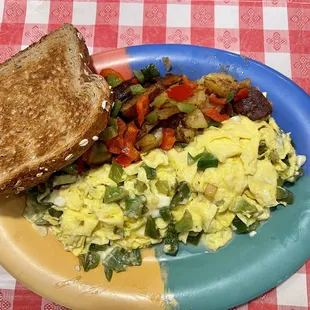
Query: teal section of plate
x=248 y=266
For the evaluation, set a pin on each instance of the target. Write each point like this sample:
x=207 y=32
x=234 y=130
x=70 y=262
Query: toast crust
x=51 y=107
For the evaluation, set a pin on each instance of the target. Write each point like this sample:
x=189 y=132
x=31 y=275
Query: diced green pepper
x=113 y=194
x=98 y=154
x=113 y=80
x=165 y=214
x=111 y=131
x=118 y=231
x=207 y=161
x=150 y=72
x=150 y=172
x=241 y=228
x=139 y=75
x=185 y=223
x=64 y=179
x=108 y=273
x=171 y=242
x=71 y=169
x=116 y=172
x=113 y=260
x=159 y=100
x=243 y=206
x=152 y=117
x=89 y=261
x=137 y=89
x=41 y=222
x=230 y=96
x=55 y=213
x=299 y=174
x=181 y=195
x=116 y=108
x=194 y=238
x=190 y=159
x=162 y=187
x=150 y=228
x=98 y=247
x=186 y=107
x=140 y=186
x=262 y=148
x=134 y=207
x=214 y=124
x=132 y=258
x=285 y=195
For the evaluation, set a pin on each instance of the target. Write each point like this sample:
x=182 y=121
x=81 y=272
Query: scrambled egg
x=252 y=156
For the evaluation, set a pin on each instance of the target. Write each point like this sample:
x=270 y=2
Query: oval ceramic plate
x=195 y=279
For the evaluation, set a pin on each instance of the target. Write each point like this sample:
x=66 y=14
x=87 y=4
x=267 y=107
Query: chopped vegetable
x=116 y=107
x=160 y=100
x=207 y=161
x=242 y=94
x=150 y=72
x=134 y=207
x=116 y=172
x=55 y=213
x=150 y=172
x=123 y=160
x=140 y=186
x=181 y=195
x=210 y=190
x=230 y=97
x=196 y=120
x=165 y=214
x=162 y=187
x=285 y=195
x=143 y=108
x=130 y=151
x=152 y=117
x=111 y=131
x=98 y=154
x=109 y=71
x=243 y=206
x=108 y=273
x=89 y=261
x=262 y=148
x=185 y=223
x=113 y=80
x=137 y=89
x=186 y=107
x=113 y=194
x=63 y=179
x=215 y=100
x=188 y=83
x=139 y=75
x=150 y=141
x=241 y=228
x=131 y=133
x=216 y=116
x=150 y=228
x=168 y=139
x=171 y=242
x=214 y=124
x=98 y=247
x=180 y=93
x=194 y=238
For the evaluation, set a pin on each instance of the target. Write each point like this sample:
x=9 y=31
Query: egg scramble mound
x=225 y=181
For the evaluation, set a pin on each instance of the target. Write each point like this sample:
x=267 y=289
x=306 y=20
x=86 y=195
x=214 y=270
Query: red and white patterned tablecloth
x=275 y=32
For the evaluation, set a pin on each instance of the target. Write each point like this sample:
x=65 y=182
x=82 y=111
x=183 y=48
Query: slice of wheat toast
x=51 y=107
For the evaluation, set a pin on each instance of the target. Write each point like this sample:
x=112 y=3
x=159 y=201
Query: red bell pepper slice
x=188 y=83
x=215 y=115
x=131 y=133
x=242 y=94
x=168 y=139
x=180 y=93
x=123 y=160
x=130 y=151
x=215 y=100
x=143 y=108
x=121 y=126
x=109 y=71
